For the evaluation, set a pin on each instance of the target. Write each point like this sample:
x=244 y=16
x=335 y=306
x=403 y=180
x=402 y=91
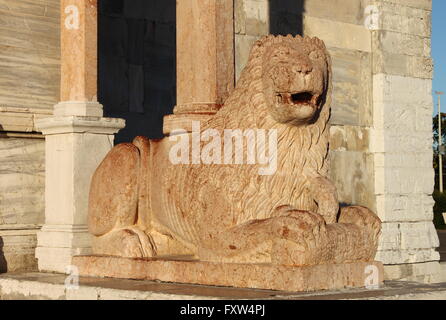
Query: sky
x=439 y=48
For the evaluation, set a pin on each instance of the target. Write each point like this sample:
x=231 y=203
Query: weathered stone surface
x=17 y=247
x=20 y=119
x=79 y=51
x=29 y=56
x=408 y=242
x=400 y=43
x=405 y=208
x=347 y=11
x=427 y=272
x=338 y=34
x=351 y=65
x=404 y=19
x=251 y=17
x=399 y=256
x=239 y=17
x=404 y=181
x=404 y=160
x=243 y=45
x=22 y=168
x=401 y=139
x=52 y=286
x=401 y=134
x=349 y=138
x=408 y=236
x=257 y=218
x=352 y=84
x=403 y=65
x=421 y=4
x=257 y=276
x=205 y=68
x=352 y=173
x=402 y=142
x=74 y=148
x=352 y=87
x=402 y=114
x=352 y=166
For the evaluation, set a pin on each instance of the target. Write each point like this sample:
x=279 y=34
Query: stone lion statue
x=142 y=205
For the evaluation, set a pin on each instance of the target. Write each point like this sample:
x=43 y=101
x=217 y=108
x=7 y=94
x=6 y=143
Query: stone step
x=42 y=286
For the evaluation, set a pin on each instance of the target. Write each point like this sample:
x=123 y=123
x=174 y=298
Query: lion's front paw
x=301 y=237
x=363 y=218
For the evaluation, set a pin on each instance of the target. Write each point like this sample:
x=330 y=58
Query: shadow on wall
x=137 y=59
x=3 y=263
x=286 y=17
x=137 y=68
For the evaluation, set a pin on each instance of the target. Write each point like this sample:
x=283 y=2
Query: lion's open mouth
x=300 y=98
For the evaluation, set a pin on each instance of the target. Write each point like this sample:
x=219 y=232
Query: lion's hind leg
x=113 y=205
x=127 y=242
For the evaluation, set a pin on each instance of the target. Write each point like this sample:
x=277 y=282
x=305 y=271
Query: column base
x=57 y=244
x=184 y=114
x=78 y=108
x=74 y=147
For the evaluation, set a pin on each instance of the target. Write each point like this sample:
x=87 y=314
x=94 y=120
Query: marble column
x=77 y=138
x=205 y=60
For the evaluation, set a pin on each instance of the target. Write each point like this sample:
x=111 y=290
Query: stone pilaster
x=401 y=139
x=77 y=138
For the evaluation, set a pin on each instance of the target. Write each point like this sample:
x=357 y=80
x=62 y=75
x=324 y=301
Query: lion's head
x=295 y=77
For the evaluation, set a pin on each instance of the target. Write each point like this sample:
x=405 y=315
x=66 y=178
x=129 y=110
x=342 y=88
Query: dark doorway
x=286 y=17
x=136 y=64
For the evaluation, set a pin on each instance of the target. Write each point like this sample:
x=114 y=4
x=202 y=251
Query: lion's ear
x=261 y=42
x=257 y=49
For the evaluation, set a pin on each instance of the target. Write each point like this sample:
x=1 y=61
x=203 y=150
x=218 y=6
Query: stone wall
x=382 y=109
x=29 y=62
x=22 y=176
x=341 y=25
x=29 y=87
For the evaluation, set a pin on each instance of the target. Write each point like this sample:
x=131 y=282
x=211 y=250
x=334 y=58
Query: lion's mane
x=237 y=191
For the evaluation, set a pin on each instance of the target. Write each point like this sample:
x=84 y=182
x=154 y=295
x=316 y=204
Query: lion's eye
x=314 y=55
x=281 y=53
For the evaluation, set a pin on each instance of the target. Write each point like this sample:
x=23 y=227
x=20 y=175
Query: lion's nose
x=303 y=67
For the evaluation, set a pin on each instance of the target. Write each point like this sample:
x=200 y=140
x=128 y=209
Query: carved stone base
x=74 y=147
x=257 y=276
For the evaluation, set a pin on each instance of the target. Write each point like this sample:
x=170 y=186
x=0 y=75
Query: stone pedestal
x=74 y=148
x=255 y=276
